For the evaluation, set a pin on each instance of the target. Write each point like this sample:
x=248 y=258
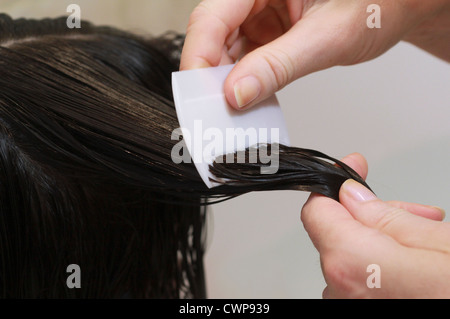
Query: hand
x=287 y=39
x=409 y=242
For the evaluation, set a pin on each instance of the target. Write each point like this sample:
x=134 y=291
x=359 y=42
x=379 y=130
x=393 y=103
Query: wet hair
x=86 y=175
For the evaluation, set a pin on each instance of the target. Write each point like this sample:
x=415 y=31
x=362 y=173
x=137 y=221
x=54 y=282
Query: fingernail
x=246 y=90
x=196 y=64
x=357 y=191
x=441 y=210
x=199 y=65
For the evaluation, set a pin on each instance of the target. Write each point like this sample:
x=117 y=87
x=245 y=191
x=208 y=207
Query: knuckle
x=388 y=218
x=335 y=272
x=203 y=15
x=341 y=276
x=304 y=212
x=198 y=14
x=309 y=209
x=281 y=66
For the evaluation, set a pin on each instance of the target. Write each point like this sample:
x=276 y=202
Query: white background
x=394 y=110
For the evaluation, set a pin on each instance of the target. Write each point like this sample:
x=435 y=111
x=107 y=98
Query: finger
x=210 y=24
x=269 y=24
x=320 y=212
x=232 y=38
x=301 y=50
x=326 y=221
x=358 y=163
x=406 y=228
x=236 y=50
x=225 y=58
x=295 y=9
x=430 y=212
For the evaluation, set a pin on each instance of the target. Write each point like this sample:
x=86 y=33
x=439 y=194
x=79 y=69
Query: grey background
x=395 y=110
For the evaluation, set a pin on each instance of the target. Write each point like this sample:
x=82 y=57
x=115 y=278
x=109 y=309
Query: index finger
x=209 y=26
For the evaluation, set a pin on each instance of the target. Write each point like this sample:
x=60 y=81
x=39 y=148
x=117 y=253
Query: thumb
x=270 y=67
x=406 y=228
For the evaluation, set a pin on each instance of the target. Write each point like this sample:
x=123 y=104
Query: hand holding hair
x=409 y=242
x=280 y=41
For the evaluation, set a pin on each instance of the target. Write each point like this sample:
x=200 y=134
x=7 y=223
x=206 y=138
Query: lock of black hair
x=298 y=169
x=85 y=169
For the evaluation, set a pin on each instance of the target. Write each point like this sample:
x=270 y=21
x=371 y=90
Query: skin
x=279 y=41
x=408 y=241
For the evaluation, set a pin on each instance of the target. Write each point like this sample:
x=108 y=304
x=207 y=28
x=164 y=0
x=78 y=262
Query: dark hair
x=86 y=175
